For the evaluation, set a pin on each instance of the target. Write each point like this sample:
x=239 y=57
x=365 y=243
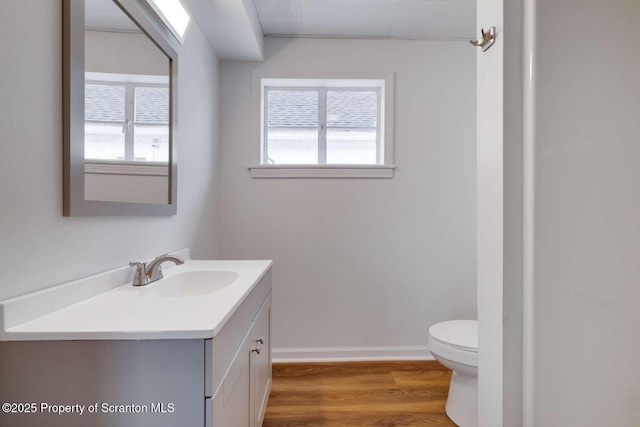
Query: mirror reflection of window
x=104 y=116
x=115 y=132
x=127 y=142
x=151 y=123
x=126 y=89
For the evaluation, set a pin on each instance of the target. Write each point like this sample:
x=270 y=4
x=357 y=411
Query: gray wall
x=39 y=247
x=362 y=262
x=587 y=213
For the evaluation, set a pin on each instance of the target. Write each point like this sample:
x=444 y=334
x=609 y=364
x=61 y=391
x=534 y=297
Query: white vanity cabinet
x=217 y=376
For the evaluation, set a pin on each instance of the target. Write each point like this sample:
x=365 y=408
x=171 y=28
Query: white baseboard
x=349 y=354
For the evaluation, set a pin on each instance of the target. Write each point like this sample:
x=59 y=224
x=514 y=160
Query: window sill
x=123 y=167
x=322 y=171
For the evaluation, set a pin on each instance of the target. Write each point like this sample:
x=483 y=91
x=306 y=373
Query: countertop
x=132 y=313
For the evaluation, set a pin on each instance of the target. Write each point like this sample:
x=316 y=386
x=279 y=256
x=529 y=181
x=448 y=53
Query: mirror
x=120 y=98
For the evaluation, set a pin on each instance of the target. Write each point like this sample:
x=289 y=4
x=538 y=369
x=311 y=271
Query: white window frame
x=264 y=80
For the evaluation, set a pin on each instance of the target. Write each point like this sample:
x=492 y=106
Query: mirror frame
x=74 y=202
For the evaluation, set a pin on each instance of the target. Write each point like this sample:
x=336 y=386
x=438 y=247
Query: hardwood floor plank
x=359 y=394
x=422 y=379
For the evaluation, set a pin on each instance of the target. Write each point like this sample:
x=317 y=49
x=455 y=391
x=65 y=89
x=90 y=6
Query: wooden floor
x=358 y=394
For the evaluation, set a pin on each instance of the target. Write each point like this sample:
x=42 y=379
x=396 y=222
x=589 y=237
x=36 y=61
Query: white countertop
x=128 y=312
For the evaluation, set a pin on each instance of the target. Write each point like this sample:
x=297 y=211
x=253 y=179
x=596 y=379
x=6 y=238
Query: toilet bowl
x=455 y=345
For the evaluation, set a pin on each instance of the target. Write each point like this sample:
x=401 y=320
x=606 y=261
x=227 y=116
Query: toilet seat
x=455 y=340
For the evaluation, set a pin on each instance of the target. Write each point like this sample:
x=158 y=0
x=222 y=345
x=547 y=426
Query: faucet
x=152 y=271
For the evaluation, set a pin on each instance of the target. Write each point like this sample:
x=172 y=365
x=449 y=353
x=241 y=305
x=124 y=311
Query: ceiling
x=236 y=28
x=105 y=15
x=401 y=19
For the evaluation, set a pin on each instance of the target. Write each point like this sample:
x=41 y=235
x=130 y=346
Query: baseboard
x=349 y=354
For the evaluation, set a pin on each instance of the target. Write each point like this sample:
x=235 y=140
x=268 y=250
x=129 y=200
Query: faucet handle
x=140 y=277
x=140 y=266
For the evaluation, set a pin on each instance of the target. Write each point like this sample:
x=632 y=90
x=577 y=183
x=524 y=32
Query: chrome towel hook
x=488 y=39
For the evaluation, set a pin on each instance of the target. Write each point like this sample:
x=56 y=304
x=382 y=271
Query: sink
x=193 y=283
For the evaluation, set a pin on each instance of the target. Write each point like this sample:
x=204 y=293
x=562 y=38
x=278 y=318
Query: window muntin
x=322 y=126
x=126 y=121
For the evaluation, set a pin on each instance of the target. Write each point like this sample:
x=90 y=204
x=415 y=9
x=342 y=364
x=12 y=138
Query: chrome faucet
x=152 y=271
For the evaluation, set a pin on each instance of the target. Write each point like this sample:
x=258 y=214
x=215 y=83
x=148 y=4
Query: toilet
x=455 y=345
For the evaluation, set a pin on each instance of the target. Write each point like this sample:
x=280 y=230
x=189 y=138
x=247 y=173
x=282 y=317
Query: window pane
x=104 y=103
x=293 y=108
x=152 y=105
x=151 y=143
x=351 y=146
x=352 y=119
x=104 y=118
x=151 y=130
x=103 y=141
x=292 y=146
x=352 y=109
x=292 y=127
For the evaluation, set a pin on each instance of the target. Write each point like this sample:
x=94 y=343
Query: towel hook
x=488 y=39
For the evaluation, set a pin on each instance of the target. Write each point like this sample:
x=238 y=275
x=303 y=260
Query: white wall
x=490 y=190
x=39 y=247
x=587 y=213
x=123 y=53
x=362 y=262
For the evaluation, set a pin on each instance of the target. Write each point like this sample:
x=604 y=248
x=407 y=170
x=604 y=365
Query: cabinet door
x=261 y=363
x=231 y=403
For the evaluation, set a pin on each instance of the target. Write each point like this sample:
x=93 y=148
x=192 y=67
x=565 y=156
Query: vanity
x=192 y=349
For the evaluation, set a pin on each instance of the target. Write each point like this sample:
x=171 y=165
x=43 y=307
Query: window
x=321 y=126
x=174 y=15
x=126 y=121
x=330 y=127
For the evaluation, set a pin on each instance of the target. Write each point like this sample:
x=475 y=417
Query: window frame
x=381 y=82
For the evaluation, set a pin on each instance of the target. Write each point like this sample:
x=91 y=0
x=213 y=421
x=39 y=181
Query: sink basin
x=193 y=283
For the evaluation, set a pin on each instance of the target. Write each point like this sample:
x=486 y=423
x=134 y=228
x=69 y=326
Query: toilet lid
x=462 y=334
